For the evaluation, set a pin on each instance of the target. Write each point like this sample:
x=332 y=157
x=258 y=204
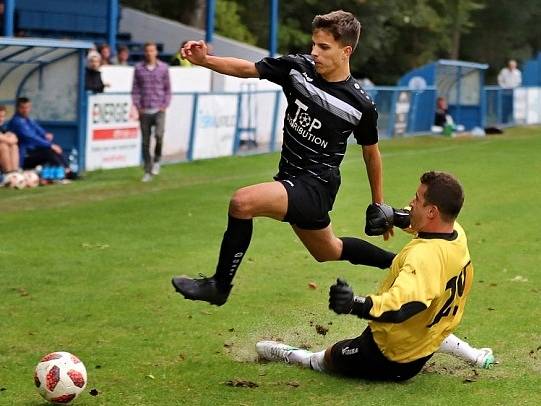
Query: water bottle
x=58 y=173
x=46 y=173
x=74 y=161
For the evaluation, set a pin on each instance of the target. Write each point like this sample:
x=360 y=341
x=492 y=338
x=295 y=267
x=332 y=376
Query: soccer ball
x=31 y=178
x=60 y=377
x=16 y=180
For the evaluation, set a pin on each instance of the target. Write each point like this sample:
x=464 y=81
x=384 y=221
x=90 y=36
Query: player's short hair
x=3 y=108
x=150 y=44
x=21 y=100
x=445 y=192
x=343 y=26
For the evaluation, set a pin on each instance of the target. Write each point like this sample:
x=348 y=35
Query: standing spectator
x=510 y=76
x=9 y=150
x=105 y=53
x=178 y=60
x=93 y=80
x=36 y=145
x=151 y=93
x=122 y=56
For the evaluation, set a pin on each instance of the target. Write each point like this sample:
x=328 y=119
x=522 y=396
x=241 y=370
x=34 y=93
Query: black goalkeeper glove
x=381 y=217
x=343 y=301
x=341 y=297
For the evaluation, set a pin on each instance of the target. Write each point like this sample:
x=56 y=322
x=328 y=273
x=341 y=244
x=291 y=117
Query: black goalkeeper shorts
x=309 y=201
x=361 y=358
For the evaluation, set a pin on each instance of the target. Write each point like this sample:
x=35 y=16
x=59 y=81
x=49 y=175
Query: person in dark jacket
x=93 y=81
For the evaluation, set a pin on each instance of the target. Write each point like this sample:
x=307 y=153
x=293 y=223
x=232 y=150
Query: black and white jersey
x=320 y=116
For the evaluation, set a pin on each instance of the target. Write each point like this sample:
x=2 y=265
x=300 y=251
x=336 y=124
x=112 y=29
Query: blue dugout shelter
x=51 y=74
x=461 y=83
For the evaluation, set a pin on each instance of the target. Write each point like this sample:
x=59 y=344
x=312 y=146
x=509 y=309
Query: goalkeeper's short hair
x=444 y=191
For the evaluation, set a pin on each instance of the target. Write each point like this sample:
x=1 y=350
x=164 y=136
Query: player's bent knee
x=239 y=205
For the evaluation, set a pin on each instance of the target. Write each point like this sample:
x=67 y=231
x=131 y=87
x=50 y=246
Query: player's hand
x=341 y=297
x=57 y=148
x=379 y=219
x=195 y=52
x=388 y=234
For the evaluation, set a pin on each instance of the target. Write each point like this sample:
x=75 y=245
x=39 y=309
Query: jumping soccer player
x=325 y=106
x=418 y=305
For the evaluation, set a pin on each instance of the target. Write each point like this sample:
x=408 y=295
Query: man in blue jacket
x=36 y=145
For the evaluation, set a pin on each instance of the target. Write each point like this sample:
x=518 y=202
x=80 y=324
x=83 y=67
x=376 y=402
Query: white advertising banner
x=520 y=109
x=113 y=138
x=534 y=105
x=215 y=126
x=527 y=105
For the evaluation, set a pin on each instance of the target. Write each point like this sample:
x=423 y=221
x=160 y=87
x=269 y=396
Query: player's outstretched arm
x=197 y=53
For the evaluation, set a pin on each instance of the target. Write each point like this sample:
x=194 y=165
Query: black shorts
x=309 y=200
x=361 y=358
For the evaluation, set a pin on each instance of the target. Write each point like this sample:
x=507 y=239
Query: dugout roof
x=21 y=57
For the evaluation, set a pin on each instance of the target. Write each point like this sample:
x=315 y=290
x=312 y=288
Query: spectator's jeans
x=147 y=121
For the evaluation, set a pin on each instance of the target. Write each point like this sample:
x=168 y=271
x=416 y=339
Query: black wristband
x=401 y=218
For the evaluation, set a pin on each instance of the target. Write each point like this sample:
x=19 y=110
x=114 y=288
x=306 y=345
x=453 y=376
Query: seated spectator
x=93 y=80
x=105 y=53
x=177 y=59
x=9 y=150
x=36 y=145
x=122 y=56
x=443 y=121
x=442 y=116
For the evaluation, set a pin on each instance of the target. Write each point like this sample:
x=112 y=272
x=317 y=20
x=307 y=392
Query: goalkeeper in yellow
x=419 y=303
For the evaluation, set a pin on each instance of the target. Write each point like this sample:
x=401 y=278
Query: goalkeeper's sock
x=453 y=345
x=235 y=243
x=360 y=252
x=313 y=360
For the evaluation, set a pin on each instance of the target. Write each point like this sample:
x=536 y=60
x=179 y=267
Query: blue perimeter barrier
x=259 y=117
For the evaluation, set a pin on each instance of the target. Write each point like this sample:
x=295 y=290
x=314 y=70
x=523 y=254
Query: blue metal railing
x=498 y=106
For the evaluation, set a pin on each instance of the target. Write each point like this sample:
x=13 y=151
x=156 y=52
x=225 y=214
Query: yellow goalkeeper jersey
x=429 y=278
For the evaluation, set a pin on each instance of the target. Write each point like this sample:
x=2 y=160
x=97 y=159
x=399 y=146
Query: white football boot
x=274 y=351
x=485 y=359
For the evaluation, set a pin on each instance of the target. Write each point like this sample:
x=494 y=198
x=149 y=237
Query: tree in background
x=504 y=29
x=397 y=35
x=229 y=24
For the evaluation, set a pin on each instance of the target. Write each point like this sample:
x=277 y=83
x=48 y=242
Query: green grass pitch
x=86 y=268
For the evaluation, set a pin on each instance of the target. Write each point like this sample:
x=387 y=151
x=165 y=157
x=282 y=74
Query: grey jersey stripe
x=304 y=169
x=290 y=150
x=300 y=143
x=325 y=100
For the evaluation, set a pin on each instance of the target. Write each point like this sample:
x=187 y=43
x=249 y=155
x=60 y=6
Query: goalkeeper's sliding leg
x=479 y=357
x=361 y=358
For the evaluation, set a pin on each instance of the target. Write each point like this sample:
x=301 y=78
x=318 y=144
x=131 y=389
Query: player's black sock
x=360 y=252
x=234 y=245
